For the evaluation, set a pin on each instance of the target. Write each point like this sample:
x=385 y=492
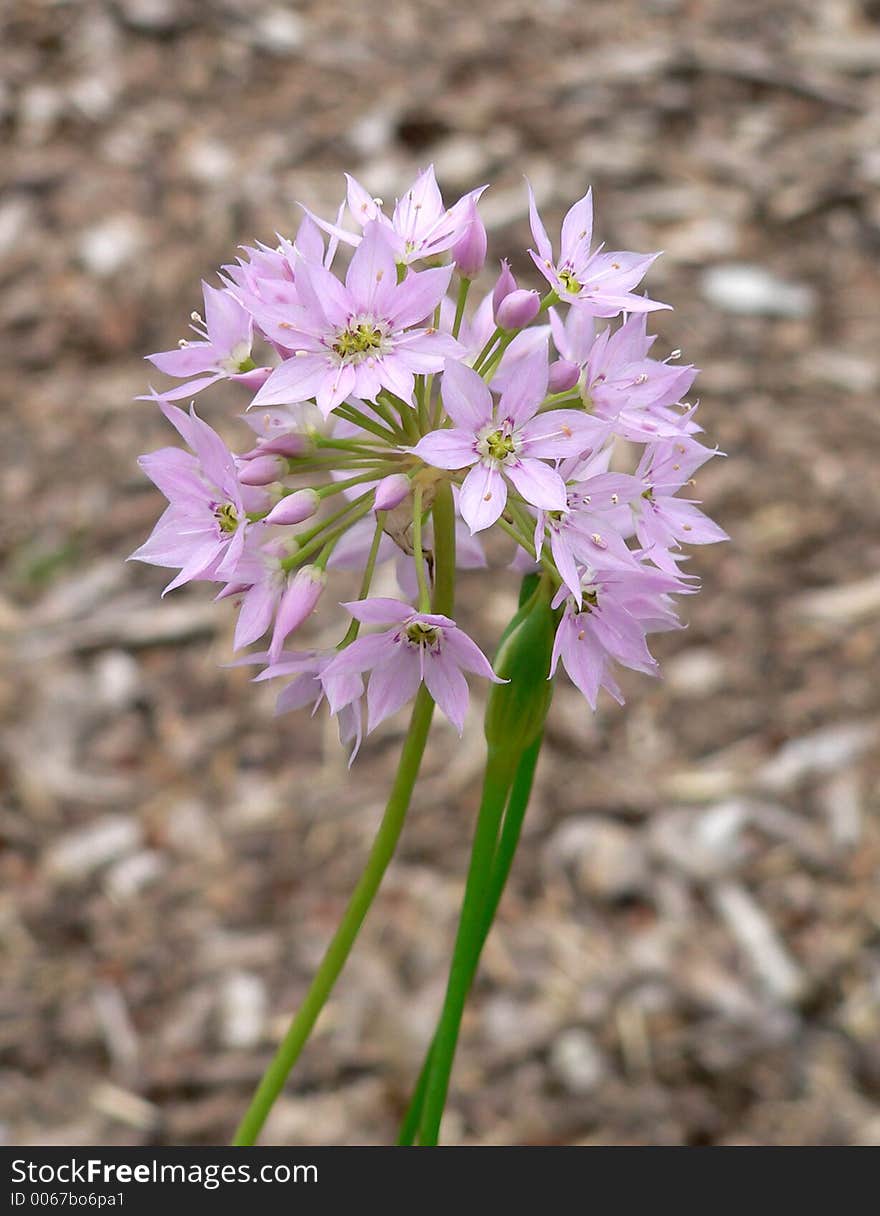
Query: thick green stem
x=520 y=793
x=418 y=554
x=443 y=514
x=496 y=785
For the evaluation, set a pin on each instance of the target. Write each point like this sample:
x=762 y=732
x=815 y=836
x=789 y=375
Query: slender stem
x=463 y=289
x=418 y=555
x=387 y=415
x=493 y=338
x=515 y=534
x=380 y=855
x=489 y=368
x=314 y=539
x=504 y=853
x=354 y=627
x=337 y=487
x=337 y=952
x=360 y=419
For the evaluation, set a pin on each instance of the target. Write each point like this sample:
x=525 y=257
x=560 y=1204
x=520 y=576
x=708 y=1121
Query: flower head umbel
x=396 y=409
x=418 y=647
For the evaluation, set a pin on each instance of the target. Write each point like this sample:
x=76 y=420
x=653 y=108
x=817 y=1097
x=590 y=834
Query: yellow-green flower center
x=568 y=281
x=226 y=517
x=358 y=341
x=499 y=446
x=422 y=634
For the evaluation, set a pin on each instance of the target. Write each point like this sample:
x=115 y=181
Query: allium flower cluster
x=372 y=389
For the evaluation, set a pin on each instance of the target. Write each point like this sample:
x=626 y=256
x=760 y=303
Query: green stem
x=380 y=855
x=443 y=512
x=418 y=555
x=315 y=538
x=493 y=338
x=496 y=784
x=463 y=289
x=360 y=419
x=337 y=952
x=504 y=853
x=337 y=487
x=354 y=627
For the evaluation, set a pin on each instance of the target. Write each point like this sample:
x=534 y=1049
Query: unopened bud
x=516 y=710
x=284 y=445
x=391 y=491
x=294 y=508
x=469 y=251
x=262 y=470
x=505 y=284
x=563 y=375
x=297 y=602
x=517 y=309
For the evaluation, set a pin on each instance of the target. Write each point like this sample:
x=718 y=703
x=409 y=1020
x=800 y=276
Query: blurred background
x=689 y=952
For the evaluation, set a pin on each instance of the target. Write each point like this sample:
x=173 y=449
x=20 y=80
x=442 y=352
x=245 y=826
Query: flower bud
x=262 y=470
x=469 y=251
x=517 y=309
x=563 y=375
x=290 y=444
x=294 y=508
x=505 y=284
x=297 y=602
x=516 y=710
x=391 y=491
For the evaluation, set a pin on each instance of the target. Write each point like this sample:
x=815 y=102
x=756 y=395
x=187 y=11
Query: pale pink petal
x=420 y=207
x=186 y=360
x=562 y=433
x=468 y=655
x=565 y=564
x=299 y=693
x=538 y=484
x=322 y=295
x=577 y=228
x=372 y=275
x=293 y=381
x=392 y=685
x=417 y=296
x=379 y=610
x=338 y=383
x=466 y=398
x=539 y=232
x=447 y=686
x=527 y=389
x=188 y=389
x=396 y=378
x=360 y=656
x=255 y=617
x=482 y=498
x=227 y=323
x=362 y=206
x=452 y=449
